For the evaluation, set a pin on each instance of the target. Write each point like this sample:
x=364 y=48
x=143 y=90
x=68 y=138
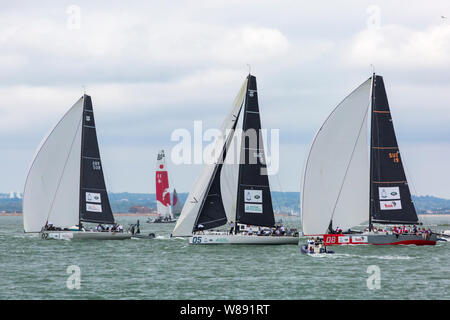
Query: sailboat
x=65 y=185
x=230 y=192
x=176 y=204
x=349 y=181
x=163 y=205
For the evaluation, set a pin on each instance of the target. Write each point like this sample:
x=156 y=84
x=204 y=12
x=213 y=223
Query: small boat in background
x=65 y=185
x=444 y=236
x=163 y=205
x=315 y=247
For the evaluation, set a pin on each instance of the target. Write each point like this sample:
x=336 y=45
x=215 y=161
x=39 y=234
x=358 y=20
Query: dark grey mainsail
x=254 y=201
x=94 y=201
x=390 y=197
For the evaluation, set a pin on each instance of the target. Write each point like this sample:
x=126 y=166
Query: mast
x=372 y=103
x=94 y=201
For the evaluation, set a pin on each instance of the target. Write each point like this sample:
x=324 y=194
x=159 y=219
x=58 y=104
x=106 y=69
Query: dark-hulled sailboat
x=345 y=185
x=65 y=185
x=227 y=191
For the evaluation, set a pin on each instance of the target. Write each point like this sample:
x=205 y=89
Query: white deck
x=241 y=239
x=84 y=235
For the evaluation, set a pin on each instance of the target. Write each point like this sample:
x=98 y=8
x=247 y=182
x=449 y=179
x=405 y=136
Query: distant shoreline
x=121 y=214
x=17 y=214
x=129 y=214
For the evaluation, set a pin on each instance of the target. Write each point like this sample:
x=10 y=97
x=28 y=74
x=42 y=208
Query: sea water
x=165 y=268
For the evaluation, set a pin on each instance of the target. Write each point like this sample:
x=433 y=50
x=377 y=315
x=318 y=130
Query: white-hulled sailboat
x=347 y=183
x=233 y=193
x=65 y=185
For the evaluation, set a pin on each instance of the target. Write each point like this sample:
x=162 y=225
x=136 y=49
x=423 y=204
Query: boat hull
x=242 y=239
x=171 y=221
x=379 y=239
x=82 y=235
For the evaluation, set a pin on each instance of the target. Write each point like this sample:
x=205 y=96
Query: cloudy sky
x=154 y=66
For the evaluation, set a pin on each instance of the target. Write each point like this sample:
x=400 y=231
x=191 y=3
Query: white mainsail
x=335 y=182
x=52 y=186
x=185 y=224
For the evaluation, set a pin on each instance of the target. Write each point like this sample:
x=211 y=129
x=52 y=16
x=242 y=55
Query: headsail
x=254 y=201
x=52 y=187
x=192 y=208
x=335 y=182
x=162 y=187
x=94 y=201
x=389 y=191
x=213 y=209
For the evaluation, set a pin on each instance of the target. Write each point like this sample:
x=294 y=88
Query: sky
x=152 y=67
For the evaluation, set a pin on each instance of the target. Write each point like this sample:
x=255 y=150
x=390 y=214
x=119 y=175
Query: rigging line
x=351 y=158
x=283 y=194
x=212 y=221
x=64 y=168
x=108 y=185
x=409 y=177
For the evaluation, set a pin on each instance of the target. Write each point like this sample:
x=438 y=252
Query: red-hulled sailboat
x=347 y=183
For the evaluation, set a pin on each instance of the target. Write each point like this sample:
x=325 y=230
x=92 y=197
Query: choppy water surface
x=165 y=268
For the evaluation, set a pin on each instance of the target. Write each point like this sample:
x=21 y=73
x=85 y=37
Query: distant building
x=15 y=195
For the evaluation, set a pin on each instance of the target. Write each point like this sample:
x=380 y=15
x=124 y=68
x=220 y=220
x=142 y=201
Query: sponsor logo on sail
x=253 y=208
x=93 y=197
x=258 y=155
x=93 y=207
x=391 y=205
x=254 y=196
x=389 y=193
x=96 y=165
